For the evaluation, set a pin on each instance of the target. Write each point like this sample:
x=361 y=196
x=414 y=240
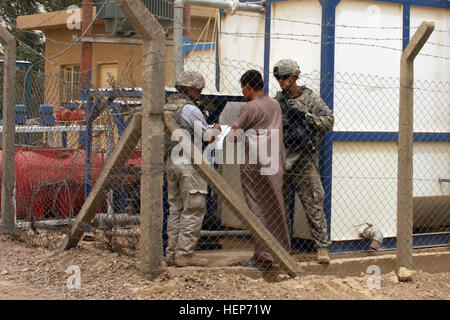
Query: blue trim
x=221 y=13
x=440 y=4
x=327 y=94
x=327 y=51
x=18 y=63
x=267 y=29
x=367 y=136
x=64 y=139
x=88 y=147
x=188 y=46
x=117 y=112
x=419 y=241
x=28 y=83
x=326 y=168
x=406 y=24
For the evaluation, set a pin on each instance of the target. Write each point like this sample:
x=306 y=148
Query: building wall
x=368 y=46
x=128 y=58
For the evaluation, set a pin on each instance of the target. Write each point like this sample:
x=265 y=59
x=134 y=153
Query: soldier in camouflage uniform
x=186 y=189
x=302 y=163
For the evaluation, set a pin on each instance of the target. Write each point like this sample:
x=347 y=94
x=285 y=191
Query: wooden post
x=153 y=71
x=239 y=207
x=405 y=147
x=113 y=167
x=9 y=118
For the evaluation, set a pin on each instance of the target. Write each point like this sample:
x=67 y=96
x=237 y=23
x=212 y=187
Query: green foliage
x=30 y=44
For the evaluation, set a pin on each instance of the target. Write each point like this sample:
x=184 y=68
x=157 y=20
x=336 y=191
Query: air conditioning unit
x=116 y=22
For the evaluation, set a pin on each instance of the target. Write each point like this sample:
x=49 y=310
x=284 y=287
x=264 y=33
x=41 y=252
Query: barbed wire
x=304 y=35
x=279 y=36
x=257 y=15
x=338 y=25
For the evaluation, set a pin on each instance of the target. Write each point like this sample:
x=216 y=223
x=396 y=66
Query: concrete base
x=427 y=260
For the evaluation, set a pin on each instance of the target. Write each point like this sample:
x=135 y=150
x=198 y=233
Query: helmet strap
x=286 y=91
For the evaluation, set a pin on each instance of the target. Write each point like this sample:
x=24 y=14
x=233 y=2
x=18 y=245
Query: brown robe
x=263 y=193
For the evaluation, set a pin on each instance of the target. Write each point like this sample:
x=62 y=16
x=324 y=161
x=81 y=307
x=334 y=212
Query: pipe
x=203 y=233
x=226 y=4
x=225 y=233
x=120 y=219
x=178 y=12
x=367 y=231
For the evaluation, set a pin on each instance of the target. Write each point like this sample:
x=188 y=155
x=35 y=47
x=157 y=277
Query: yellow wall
x=127 y=57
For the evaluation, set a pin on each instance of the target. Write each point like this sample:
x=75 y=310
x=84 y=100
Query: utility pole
x=405 y=152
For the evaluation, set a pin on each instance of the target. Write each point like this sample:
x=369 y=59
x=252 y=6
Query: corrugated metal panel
x=161 y=9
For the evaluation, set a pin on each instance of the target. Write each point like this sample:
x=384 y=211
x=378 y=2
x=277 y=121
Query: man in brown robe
x=262 y=187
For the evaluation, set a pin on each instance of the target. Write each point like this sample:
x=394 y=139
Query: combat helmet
x=286 y=68
x=190 y=79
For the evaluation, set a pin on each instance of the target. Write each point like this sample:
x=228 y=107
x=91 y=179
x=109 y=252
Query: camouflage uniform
x=186 y=189
x=302 y=167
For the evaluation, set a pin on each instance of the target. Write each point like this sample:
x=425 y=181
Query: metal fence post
x=405 y=147
x=151 y=216
x=9 y=119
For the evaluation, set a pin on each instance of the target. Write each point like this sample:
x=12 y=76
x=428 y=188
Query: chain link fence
x=336 y=188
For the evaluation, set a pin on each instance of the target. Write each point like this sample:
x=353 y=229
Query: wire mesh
x=352 y=201
x=337 y=191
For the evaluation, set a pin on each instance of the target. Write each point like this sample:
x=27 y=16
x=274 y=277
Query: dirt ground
x=33 y=272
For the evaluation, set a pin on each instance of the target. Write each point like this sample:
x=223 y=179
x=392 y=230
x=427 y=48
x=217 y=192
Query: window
x=107 y=75
x=71 y=83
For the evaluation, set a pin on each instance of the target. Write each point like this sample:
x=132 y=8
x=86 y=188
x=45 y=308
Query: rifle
x=297 y=130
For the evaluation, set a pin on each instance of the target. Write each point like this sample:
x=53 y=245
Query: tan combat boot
x=322 y=256
x=190 y=260
x=170 y=261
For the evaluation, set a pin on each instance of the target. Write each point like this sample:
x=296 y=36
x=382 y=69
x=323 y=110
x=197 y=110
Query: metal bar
x=203 y=233
x=88 y=148
x=112 y=40
x=55 y=222
x=225 y=233
x=369 y=136
x=217 y=55
x=28 y=82
x=327 y=94
x=225 y=4
x=406 y=11
x=25 y=129
x=267 y=28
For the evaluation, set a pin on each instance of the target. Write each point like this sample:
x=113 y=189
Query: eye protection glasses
x=283 y=77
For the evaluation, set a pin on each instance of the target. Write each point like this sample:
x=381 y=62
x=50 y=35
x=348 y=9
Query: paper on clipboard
x=221 y=137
